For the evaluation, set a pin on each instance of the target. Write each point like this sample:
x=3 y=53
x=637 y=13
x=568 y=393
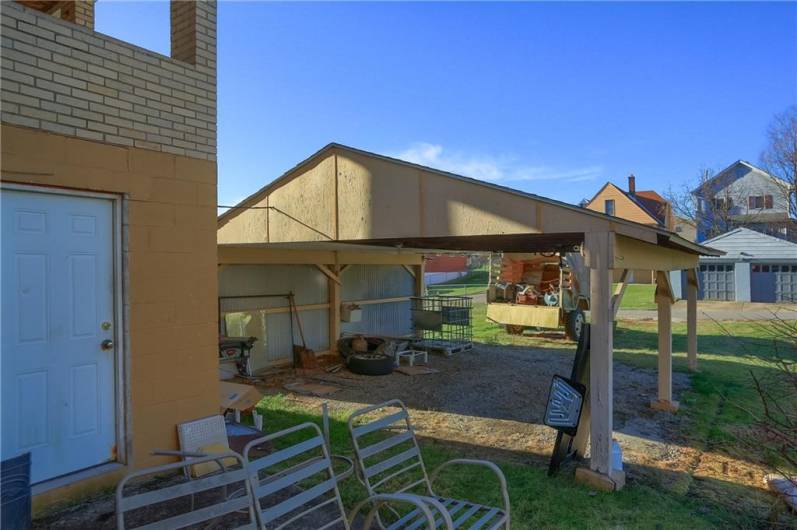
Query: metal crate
x=442 y=323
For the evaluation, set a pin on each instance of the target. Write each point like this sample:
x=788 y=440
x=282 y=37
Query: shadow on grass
x=558 y=502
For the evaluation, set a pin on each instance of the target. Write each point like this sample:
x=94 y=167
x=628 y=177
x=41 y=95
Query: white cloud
x=491 y=168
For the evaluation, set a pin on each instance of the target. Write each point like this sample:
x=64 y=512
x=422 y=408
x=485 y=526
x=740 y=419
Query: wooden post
x=334 y=308
x=599 y=250
x=691 y=318
x=664 y=301
x=420 y=285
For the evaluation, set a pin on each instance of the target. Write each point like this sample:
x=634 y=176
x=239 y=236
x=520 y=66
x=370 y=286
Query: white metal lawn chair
x=389 y=461
x=297 y=482
x=163 y=502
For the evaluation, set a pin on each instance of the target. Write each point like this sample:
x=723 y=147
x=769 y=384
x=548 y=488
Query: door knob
x=107 y=344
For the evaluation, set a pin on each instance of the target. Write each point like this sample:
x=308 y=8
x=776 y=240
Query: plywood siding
x=625 y=208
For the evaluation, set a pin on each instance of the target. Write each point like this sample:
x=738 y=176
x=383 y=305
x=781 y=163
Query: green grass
x=474 y=282
x=542 y=502
x=537 y=501
x=638 y=296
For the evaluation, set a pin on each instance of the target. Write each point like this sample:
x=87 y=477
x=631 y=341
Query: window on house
x=759 y=202
x=721 y=203
x=608 y=206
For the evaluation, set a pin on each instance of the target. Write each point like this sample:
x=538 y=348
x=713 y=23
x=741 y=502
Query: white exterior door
x=58 y=389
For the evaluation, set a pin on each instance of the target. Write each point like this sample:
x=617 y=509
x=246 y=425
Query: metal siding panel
x=392 y=319
x=279 y=343
x=368 y=282
x=308 y=284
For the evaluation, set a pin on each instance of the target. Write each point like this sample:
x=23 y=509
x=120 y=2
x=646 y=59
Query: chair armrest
x=484 y=463
x=184 y=454
x=381 y=499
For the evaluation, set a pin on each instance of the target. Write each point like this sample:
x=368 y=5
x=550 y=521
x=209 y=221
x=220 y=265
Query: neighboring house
x=109 y=280
x=743 y=195
x=439 y=269
x=646 y=207
x=685 y=228
x=755 y=268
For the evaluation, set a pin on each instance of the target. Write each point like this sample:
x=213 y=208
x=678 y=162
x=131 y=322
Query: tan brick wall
x=66 y=78
x=171 y=264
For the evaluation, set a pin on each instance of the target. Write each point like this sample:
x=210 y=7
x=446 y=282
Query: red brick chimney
x=631 y=184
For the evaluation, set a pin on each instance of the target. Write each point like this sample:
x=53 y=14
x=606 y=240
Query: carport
x=345 y=196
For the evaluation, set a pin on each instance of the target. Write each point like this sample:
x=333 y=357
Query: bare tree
x=772 y=438
x=780 y=156
x=701 y=203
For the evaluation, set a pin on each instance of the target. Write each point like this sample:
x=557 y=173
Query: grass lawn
x=638 y=296
x=474 y=282
x=542 y=502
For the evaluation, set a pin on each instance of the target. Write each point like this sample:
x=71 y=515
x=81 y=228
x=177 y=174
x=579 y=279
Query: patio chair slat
x=307 y=512
x=379 y=424
x=284 y=454
x=485 y=518
x=467 y=515
x=200 y=515
x=410 y=486
x=268 y=488
x=385 y=444
x=296 y=501
x=338 y=520
x=438 y=520
x=391 y=462
x=407 y=518
x=394 y=475
x=181 y=490
x=457 y=507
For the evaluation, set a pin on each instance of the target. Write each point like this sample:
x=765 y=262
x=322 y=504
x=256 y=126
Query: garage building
x=346 y=211
x=755 y=268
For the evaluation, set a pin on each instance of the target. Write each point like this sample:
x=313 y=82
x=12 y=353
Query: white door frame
x=121 y=355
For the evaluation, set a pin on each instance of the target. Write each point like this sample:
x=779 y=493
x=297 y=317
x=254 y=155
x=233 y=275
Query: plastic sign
x=565 y=401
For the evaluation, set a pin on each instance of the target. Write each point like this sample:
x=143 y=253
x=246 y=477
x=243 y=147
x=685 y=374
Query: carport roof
x=507 y=242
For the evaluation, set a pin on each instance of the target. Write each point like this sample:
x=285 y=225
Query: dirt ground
x=489 y=402
x=495 y=396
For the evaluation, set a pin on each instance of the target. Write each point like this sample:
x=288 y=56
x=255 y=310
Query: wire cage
x=442 y=323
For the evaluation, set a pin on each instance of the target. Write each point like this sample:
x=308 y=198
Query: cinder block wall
x=85 y=111
x=67 y=79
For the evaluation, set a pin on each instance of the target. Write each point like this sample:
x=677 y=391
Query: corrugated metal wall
x=391 y=319
x=309 y=286
x=369 y=282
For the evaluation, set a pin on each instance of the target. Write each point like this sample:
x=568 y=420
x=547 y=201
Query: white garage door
x=58 y=393
x=717 y=281
x=785 y=283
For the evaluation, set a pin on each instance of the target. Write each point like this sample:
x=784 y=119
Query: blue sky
x=551 y=98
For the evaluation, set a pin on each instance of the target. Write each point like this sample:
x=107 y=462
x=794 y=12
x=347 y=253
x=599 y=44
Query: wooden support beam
x=599 y=250
x=372 y=301
x=333 y=289
x=329 y=273
x=664 y=301
x=410 y=270
x=691 y=318
x=619 y=291
x=420 y=282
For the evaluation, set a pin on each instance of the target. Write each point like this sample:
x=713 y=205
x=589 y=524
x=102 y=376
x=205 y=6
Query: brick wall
x=67 y=79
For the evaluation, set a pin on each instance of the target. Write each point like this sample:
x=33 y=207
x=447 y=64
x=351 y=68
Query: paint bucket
x=617 y=456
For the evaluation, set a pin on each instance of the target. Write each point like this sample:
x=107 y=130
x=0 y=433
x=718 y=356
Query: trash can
x=15 y=512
